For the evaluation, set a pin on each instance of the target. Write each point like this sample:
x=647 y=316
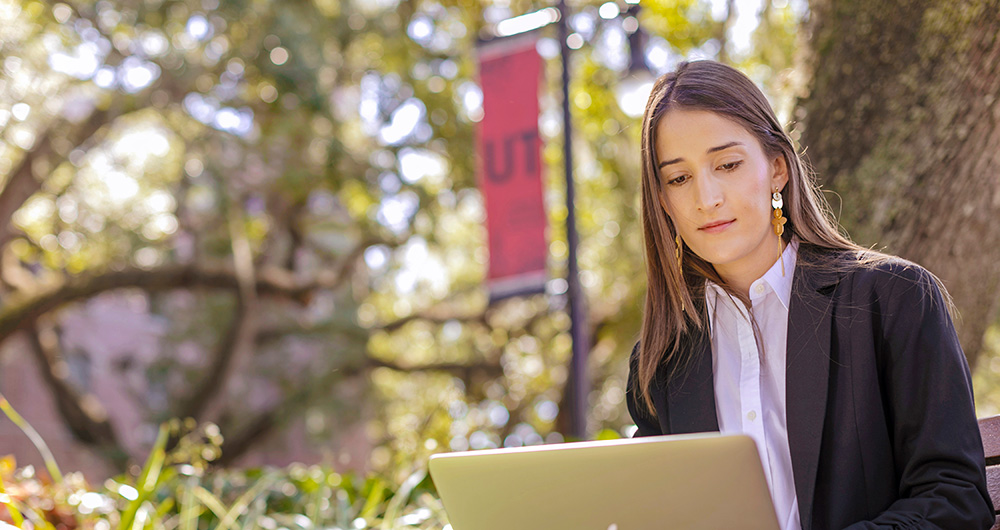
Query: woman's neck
x=741 y=278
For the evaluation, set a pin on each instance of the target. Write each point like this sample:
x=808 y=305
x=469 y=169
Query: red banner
x=510 y=166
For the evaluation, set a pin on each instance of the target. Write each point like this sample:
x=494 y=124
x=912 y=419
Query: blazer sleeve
x=927 y=389
x=646 y=422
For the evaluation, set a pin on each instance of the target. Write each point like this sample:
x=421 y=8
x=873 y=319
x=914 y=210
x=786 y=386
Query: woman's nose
x=710 y=193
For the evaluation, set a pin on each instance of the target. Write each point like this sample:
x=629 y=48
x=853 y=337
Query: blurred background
x=265 y=215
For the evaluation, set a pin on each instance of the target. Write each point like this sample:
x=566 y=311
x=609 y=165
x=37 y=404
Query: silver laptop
x=702 y=481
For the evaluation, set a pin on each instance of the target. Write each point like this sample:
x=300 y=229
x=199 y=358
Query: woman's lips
x=716 y=227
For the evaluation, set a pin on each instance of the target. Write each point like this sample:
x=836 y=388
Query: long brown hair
x=675 y=298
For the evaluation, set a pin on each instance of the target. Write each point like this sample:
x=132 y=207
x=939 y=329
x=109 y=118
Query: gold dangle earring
x=779 y=223
x=680 y=269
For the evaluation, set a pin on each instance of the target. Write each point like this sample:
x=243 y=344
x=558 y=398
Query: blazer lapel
x=691 y=395
x=807 y=371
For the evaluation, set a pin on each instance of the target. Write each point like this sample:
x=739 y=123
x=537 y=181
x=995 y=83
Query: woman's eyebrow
x=709 y=151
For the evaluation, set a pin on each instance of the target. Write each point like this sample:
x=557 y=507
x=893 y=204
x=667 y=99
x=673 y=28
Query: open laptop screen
x=677 y=482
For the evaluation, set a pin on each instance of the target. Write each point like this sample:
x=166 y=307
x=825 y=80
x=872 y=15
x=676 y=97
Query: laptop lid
x=701 y=481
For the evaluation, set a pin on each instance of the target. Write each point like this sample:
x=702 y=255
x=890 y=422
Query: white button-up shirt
x=749 y=374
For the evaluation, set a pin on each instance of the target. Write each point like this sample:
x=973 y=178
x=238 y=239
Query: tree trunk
x=903 y=122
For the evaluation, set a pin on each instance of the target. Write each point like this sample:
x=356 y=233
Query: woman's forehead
x=693 y=133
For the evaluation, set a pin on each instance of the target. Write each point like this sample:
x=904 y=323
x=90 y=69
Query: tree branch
x=443 y=311
x=264 y=423
x=269 y=282
x=83 y=413
x=435 y=318
x=456 y=369
x=194 y=405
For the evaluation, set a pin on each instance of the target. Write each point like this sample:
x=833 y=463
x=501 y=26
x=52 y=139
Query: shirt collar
x=780 y=283
x=772 y=280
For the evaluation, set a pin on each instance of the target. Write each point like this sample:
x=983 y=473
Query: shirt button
x=759 y=289
x=752 y=415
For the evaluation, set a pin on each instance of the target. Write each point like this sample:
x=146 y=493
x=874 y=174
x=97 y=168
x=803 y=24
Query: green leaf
x=149 y=478
x=36 y=439
x=244 y=501
x=376 y=494
x=399 y=499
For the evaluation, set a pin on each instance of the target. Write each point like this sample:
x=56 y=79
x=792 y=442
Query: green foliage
x=177 y=490
x=295 y=497
x=32 y=434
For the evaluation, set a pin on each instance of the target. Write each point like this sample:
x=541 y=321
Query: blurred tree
x=284 y=193
x=168 y=146
x=902 y=124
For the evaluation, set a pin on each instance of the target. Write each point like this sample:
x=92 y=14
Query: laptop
x=699 y=481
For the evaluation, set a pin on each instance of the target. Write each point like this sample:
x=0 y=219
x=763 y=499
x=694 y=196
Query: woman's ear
x=779 y=176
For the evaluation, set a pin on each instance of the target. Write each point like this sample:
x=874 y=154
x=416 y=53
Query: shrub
x=178 y=489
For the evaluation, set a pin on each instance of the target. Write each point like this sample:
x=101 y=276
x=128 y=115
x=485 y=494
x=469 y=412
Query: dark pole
x=636 y=42
x=578 y=382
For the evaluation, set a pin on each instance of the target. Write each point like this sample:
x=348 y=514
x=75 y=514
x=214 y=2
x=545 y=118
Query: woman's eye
x=731 y=166
x=677 y=180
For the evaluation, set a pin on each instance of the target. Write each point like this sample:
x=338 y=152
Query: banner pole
x=578 y=382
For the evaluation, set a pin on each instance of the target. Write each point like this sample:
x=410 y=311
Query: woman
x=761 y=318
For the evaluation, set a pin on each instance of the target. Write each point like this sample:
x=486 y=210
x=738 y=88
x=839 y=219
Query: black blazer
x=881 y=424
